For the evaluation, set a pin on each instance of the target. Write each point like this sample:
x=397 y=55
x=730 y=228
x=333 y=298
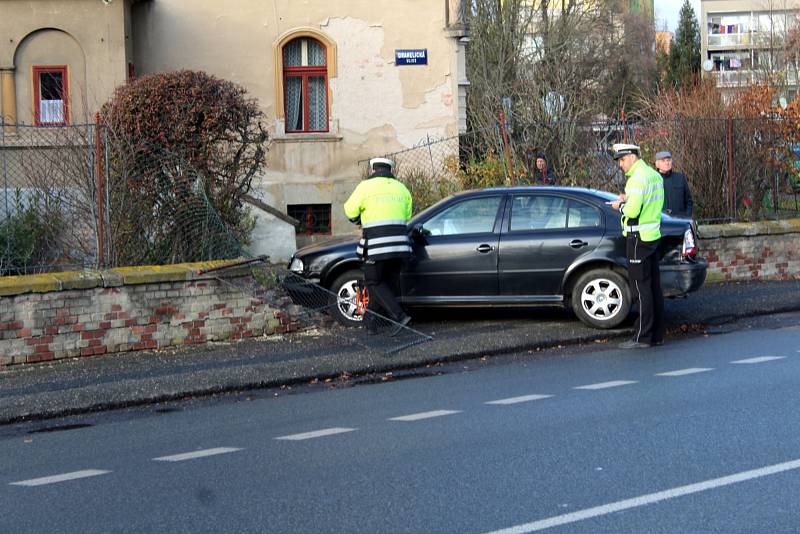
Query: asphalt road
x=85 y=385
x=700 y=435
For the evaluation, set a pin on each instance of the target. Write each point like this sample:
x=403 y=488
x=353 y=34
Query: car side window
x=538 y=212
x=582 y=215
x=472 y=216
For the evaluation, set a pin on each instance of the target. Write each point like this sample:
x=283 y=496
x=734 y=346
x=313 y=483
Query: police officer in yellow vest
x=382 y=206
x=640 y=206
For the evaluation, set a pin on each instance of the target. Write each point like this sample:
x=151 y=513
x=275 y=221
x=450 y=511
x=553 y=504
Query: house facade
x=338 y=82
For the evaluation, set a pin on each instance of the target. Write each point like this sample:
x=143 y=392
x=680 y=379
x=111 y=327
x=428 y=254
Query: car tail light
x=689 y=249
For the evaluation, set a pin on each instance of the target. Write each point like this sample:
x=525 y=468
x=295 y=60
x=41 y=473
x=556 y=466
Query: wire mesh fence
x=737 y=169
x=159 y=211
x=47 y=198
x=78 y=197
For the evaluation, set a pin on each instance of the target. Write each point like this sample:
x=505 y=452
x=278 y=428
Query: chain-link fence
x=75 y=197
x=48 y=213
x=737 y=169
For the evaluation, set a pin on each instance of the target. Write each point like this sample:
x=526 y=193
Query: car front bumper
x=678 y=279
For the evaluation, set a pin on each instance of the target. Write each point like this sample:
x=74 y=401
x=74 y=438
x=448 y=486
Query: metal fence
x=738 y=169
x=77 y=197
x=48 y=209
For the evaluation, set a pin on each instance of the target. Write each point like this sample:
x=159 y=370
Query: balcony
x=753 y=39
x=729 y=39
x=743 y=78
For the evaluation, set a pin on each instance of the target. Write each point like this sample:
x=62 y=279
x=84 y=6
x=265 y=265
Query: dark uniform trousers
x=377 y=275
x=645 y=281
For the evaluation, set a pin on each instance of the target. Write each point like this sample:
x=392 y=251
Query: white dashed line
x=196 y=454
x=424 y=415
x=60 y=478
x=689 y=371
x=604 y=385
x=517 y=400
x=650 y=498
x=316 y=434
x=760 y=359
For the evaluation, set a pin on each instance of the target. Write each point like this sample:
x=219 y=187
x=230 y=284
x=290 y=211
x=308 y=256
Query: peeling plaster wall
x=376 y=107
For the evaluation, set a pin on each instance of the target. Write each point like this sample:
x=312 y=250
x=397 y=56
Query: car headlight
x=296 y=266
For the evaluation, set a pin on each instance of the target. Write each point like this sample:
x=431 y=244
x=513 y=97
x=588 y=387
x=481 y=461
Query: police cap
x=619 y=150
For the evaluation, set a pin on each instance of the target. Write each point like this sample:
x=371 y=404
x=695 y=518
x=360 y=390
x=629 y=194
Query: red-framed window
x=50 y=96
x=305 y=86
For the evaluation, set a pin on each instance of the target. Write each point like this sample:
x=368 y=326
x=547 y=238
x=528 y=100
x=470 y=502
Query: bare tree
x=562 y=64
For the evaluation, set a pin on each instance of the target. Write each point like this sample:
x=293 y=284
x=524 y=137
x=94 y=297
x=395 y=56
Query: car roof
x=540 y=189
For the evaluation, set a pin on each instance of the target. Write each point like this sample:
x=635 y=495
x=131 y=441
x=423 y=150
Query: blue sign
x=411 y=57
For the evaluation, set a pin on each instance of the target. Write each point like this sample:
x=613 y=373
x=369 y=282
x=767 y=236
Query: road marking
x=689 y=371
x=650 y=498
x=516 y=400
x=604 y=385
x=196 y=454
x=316 y=434
x=760 y=359
x=424 y=415
x=60 y=478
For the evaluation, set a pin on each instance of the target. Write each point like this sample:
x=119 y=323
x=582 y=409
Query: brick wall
x=60 y=320
x=749 y=251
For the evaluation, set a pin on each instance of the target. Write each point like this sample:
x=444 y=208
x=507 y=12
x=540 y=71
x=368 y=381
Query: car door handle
x=577 y=243
x=483 y=249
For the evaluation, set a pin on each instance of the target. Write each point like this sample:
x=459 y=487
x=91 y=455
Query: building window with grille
x=51 y=96
x=305 y=86
x=314 y=218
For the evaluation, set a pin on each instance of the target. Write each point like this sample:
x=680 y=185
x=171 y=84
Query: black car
x=514 y=246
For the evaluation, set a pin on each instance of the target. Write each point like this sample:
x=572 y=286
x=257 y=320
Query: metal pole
x=6 y=214
x=506 y=148
x=731 y=198
x=624 y=127
x=99 y=193
x=430 y=153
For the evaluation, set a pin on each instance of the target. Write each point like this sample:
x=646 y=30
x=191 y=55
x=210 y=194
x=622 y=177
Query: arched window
x=305 y=86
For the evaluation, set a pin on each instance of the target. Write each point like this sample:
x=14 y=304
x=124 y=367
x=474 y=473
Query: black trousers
x=379 y=277
x=644 y=278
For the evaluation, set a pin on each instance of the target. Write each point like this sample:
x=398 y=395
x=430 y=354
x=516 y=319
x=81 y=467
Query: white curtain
x=317 y=104
x=294 y=104
x=51 y=111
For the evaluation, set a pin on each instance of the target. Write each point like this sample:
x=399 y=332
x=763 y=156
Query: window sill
x=326 y=137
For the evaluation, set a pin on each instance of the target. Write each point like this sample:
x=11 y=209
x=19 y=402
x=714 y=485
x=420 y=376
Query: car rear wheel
x=343 y=303
x=601 y=298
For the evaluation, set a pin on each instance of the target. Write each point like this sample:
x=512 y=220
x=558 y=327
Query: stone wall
x=750 y=251
x=62 y=315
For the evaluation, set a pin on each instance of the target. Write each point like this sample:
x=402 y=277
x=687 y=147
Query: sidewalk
x=116 y=381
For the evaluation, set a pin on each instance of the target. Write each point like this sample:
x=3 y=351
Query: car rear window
x=538 y=212
x=582 y=215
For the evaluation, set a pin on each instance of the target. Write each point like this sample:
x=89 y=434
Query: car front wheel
x=343 y=303
x=601 y=298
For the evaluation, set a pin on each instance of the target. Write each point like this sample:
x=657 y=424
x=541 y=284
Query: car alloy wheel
x=346 y=300
x=601 y=299
x=342 y=301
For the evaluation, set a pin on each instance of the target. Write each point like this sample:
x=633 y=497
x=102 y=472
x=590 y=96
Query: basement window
x=314 y=218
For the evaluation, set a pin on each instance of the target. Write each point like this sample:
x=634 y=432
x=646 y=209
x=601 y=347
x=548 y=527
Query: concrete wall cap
x=118 y=276
x=712 y=231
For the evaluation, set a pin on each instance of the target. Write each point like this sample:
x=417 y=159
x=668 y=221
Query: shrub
x=184 y=146
x=25 y=238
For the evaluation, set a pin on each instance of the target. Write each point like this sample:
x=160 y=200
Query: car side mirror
x=419 y=231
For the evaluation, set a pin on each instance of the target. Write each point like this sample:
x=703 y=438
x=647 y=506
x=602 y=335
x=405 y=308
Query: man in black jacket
x=677 y=197
x=543 y=174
